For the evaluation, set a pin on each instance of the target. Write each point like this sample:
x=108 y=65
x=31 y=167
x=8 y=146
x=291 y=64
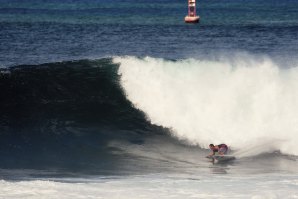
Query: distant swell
x=248 y=102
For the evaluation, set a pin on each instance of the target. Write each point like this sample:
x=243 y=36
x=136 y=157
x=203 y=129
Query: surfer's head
x=211 y=146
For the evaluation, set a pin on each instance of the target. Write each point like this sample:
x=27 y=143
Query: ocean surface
x=121 y=98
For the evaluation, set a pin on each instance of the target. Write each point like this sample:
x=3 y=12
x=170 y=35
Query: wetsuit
x=222 y=148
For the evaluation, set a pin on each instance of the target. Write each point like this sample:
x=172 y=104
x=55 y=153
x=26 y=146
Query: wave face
x=66 y=115
x=248 y=102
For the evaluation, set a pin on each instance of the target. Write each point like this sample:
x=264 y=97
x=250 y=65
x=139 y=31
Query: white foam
x=244 y=102
x=157 y=186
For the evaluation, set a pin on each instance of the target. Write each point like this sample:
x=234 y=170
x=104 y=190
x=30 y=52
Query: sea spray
x=242 y=101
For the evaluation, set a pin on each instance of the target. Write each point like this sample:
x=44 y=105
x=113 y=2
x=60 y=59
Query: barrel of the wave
x=192 y=17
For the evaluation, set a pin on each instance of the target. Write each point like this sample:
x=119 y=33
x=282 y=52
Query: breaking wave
x=248 y=102
x=129 y=114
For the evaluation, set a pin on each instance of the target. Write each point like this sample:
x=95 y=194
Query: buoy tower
x=192 y=17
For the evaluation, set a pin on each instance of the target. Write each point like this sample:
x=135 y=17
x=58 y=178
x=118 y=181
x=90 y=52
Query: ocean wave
x=65 y=115
x=129 y=114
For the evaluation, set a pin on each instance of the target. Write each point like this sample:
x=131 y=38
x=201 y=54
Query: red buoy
x=191 y=17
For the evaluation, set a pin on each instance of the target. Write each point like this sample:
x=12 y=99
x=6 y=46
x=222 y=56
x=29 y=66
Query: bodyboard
x=223 y=158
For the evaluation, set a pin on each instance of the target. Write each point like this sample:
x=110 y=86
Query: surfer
x=222 y=149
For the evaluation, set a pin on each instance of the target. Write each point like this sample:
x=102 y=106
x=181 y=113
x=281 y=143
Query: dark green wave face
x=66 y=115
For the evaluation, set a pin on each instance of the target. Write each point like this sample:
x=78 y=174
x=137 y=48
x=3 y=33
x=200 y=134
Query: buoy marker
x=192 y=17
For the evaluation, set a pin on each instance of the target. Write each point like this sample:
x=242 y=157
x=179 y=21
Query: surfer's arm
x=211 y=154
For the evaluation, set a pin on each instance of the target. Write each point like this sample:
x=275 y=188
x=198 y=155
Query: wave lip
x=246 y=102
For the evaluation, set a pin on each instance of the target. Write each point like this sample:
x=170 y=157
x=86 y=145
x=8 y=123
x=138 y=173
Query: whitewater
x=151 y=186
x=248 y=102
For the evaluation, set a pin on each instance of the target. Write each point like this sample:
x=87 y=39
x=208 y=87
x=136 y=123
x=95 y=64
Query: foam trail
x=259 y=146
x=242 y=101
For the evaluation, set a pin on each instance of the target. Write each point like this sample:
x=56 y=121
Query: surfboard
x=223 y=158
